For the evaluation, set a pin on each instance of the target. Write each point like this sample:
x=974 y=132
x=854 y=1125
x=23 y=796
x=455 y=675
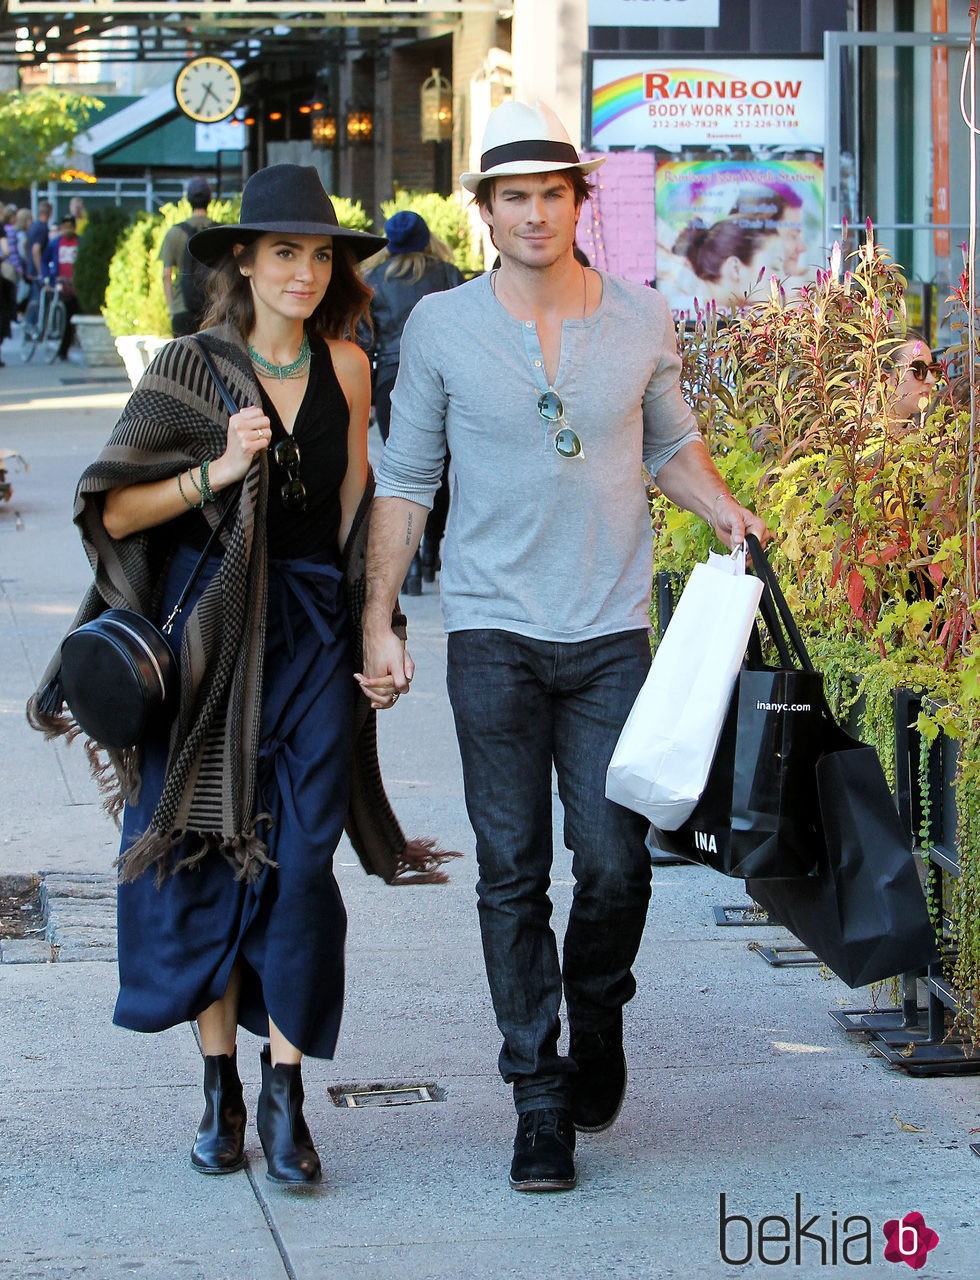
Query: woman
x=228 y=909
x=414 y=264
x=730 y=257
x=10 y=272
x=912 y=378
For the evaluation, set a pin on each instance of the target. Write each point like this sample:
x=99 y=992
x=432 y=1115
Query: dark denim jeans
x=521 y=705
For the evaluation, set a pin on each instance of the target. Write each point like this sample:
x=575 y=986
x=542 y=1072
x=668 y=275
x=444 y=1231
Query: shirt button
x=537 y=364
x=528 y=324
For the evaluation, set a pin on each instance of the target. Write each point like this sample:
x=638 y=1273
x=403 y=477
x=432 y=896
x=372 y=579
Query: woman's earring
x=246 y=274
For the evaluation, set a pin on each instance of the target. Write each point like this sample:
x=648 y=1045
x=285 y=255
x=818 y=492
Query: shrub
x=134 y=300
x=351 y=214
x=95 y=251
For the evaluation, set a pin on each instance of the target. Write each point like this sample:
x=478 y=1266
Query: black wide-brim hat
x=290 y=199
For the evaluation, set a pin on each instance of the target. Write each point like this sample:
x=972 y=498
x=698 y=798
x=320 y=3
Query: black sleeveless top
x=320 y=433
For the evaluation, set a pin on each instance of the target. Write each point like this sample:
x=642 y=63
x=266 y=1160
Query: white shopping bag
x=661 y=761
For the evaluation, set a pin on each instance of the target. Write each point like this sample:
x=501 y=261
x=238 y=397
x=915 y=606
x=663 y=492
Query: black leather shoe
x=599 y=1086
x=289 y=1151
x=220 y=1143
x=544 y=1149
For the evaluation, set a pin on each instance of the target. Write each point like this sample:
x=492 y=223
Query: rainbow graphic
x=619 y=97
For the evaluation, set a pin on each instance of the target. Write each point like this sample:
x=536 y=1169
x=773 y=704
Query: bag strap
x=232 y=503
x=775 y=611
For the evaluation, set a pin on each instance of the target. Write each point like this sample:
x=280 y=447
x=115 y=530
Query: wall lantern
x=323 y=127
x=360 y=125
x=436 y=108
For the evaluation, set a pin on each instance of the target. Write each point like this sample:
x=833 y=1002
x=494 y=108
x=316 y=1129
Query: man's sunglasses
x=293 y=491
x=552 y=411
x=920 y=370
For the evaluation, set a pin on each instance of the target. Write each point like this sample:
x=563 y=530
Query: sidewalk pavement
x=740 y=1083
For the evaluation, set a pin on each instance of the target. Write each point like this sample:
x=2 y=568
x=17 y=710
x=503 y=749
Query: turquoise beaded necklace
x=283 y=371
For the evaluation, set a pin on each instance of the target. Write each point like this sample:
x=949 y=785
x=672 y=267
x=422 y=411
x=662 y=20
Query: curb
x=77 y=918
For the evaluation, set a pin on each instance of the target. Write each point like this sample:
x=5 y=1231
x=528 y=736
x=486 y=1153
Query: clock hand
x=208 y=93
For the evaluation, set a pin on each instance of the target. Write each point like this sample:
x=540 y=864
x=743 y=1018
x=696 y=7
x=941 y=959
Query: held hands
x=249 y=433
x=388 y=669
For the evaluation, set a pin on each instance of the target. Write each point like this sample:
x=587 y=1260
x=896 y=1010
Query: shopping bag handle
x=776 y=611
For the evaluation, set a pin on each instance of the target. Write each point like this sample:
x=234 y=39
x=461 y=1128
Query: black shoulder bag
x=118 y=672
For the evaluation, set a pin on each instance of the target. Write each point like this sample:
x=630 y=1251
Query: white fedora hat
x=523 y=139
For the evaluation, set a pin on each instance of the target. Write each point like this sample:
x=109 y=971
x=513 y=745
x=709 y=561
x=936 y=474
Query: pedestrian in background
x=76 y=207
x=58 y=265
x=414 y=264
x=912 y=378
x=183 y=281
x=228 y=909
x=37 y=242
x=553 y=385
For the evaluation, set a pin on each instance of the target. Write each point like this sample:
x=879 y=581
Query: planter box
x=136 y=350
x=95 y=341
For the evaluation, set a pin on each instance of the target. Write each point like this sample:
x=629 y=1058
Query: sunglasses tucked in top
x=552 y=412
x=293 y=491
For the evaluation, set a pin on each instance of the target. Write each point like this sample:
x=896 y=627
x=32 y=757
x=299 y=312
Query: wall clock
x=208 y=89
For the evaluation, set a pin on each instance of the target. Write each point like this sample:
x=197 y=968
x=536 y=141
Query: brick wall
x=413 y=161
x=617 y=229
x=476 y=35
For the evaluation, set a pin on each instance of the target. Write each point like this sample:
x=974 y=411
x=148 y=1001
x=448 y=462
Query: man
x=37 y=242
x=552 y=384
x=185 y=300
x=59 y=264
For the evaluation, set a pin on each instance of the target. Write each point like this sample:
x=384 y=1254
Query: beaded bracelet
x=205 y=490
x=180 y=490
x=190 y=476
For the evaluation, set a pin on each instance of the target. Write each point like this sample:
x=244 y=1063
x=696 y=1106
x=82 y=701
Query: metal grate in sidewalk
x=400 y=1093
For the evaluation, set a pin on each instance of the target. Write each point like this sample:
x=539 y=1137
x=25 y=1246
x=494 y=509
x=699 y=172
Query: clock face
x=208 y=89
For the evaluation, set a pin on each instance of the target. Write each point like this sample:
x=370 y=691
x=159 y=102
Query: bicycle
x=44 y=323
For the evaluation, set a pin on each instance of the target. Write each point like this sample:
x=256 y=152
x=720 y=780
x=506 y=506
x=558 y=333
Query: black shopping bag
x=758 y=813
x=864 y=914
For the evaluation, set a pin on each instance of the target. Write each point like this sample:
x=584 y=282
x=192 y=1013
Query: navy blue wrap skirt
x=178 y=943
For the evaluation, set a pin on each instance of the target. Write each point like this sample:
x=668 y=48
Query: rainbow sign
x=717 y=102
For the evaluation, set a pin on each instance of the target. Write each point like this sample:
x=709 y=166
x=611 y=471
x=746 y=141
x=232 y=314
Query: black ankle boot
x=289 y=1150
x=412 y=586
x=220 y=1143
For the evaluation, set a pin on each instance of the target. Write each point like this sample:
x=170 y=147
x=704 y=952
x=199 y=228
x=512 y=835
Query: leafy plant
x=874 y=521
x=351 y=213
x=134 y=299
x=96 y=248
x=35 y=124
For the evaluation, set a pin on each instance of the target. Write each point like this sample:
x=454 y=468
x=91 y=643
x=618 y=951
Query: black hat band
x=531 y=149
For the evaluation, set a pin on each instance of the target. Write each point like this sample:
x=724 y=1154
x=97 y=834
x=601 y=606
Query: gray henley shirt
x=549 y=547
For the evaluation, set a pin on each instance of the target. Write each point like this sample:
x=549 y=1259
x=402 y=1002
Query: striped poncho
x=175 y=419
